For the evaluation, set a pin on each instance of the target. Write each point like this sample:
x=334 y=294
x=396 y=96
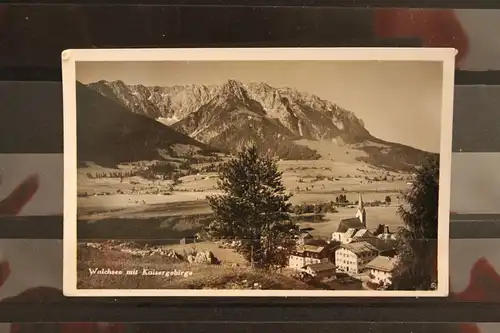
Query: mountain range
x=109 y=134
x=228 y=116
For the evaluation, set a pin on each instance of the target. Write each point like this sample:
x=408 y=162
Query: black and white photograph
x=288 y=172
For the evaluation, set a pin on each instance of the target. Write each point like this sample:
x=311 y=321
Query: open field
x=130 y=206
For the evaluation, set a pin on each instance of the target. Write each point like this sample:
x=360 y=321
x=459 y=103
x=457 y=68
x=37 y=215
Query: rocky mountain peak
x=233 y=88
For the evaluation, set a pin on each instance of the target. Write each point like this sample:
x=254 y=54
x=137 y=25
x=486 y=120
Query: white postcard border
x=69 y=59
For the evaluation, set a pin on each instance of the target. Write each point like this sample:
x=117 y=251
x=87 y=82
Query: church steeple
x=361 y=213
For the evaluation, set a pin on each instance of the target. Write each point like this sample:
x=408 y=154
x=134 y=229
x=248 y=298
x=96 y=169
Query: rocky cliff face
x=233 y=114
x=293 y=113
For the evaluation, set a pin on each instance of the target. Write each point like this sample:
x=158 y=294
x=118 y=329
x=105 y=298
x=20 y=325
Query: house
x=323 y=270
x=383 y=232
x=350 y=235
x=312 y=252
x=381 y=269
x=351 y=258
x=360 y=233
x=385 y=247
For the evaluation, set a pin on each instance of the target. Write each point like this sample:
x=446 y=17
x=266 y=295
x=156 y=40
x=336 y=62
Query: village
x=354 y=257
x=353 y=254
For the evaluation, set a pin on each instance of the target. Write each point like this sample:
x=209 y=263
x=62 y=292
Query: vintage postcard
x=288 y=172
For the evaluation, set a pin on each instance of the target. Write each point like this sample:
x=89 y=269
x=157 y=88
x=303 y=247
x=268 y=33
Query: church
x=358 y=222
x=352 y=228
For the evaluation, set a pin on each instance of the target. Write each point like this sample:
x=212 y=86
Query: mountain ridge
x=233 y=114
x=170 y=104
x=109 y=134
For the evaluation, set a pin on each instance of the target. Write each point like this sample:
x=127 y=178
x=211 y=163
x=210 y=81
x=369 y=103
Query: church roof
x=346 y=224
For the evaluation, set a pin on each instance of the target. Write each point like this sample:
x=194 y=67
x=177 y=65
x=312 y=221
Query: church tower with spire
x=361 y=213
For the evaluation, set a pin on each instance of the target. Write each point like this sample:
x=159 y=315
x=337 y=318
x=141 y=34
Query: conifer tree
x=254 y=209
x=416 y=268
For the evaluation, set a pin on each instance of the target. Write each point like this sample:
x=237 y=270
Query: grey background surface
x=476 y=119
x=475 y=183
x=32 y=117
x=15 y=168
x=33 y=263
x=481 y=26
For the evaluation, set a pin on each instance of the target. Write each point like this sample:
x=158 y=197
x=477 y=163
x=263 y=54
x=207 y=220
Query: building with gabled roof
x=313 y=251
x=350 y=235
x=385 y=247
x=381 y=269
x=351 y=258
x=321 y=270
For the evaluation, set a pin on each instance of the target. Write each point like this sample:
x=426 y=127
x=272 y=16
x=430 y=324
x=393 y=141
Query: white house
x=352 y=258
x=350 y=235
x=308 y=254
x=381 y=269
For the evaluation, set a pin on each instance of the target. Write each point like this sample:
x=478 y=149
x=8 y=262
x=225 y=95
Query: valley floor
x=110 y=207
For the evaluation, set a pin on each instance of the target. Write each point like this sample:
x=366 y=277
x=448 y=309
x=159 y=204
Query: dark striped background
x=249 y=327
x=31 y=39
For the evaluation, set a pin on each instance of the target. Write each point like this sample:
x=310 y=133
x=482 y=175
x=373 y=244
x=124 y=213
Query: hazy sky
x=398 y=101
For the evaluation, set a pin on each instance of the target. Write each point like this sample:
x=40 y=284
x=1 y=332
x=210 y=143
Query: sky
x=398 y=101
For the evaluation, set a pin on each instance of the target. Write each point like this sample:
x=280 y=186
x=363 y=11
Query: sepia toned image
x=257 y=172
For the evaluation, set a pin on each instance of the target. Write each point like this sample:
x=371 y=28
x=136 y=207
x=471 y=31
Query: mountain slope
x=232 y=114
x=232 y=119
x=304 y=115
x=108 y=133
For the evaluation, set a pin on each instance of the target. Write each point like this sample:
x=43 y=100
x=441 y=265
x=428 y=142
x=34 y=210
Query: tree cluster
x=319 y=208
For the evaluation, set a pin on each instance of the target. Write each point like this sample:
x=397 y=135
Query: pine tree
x=417 y=265
x=254 y=209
